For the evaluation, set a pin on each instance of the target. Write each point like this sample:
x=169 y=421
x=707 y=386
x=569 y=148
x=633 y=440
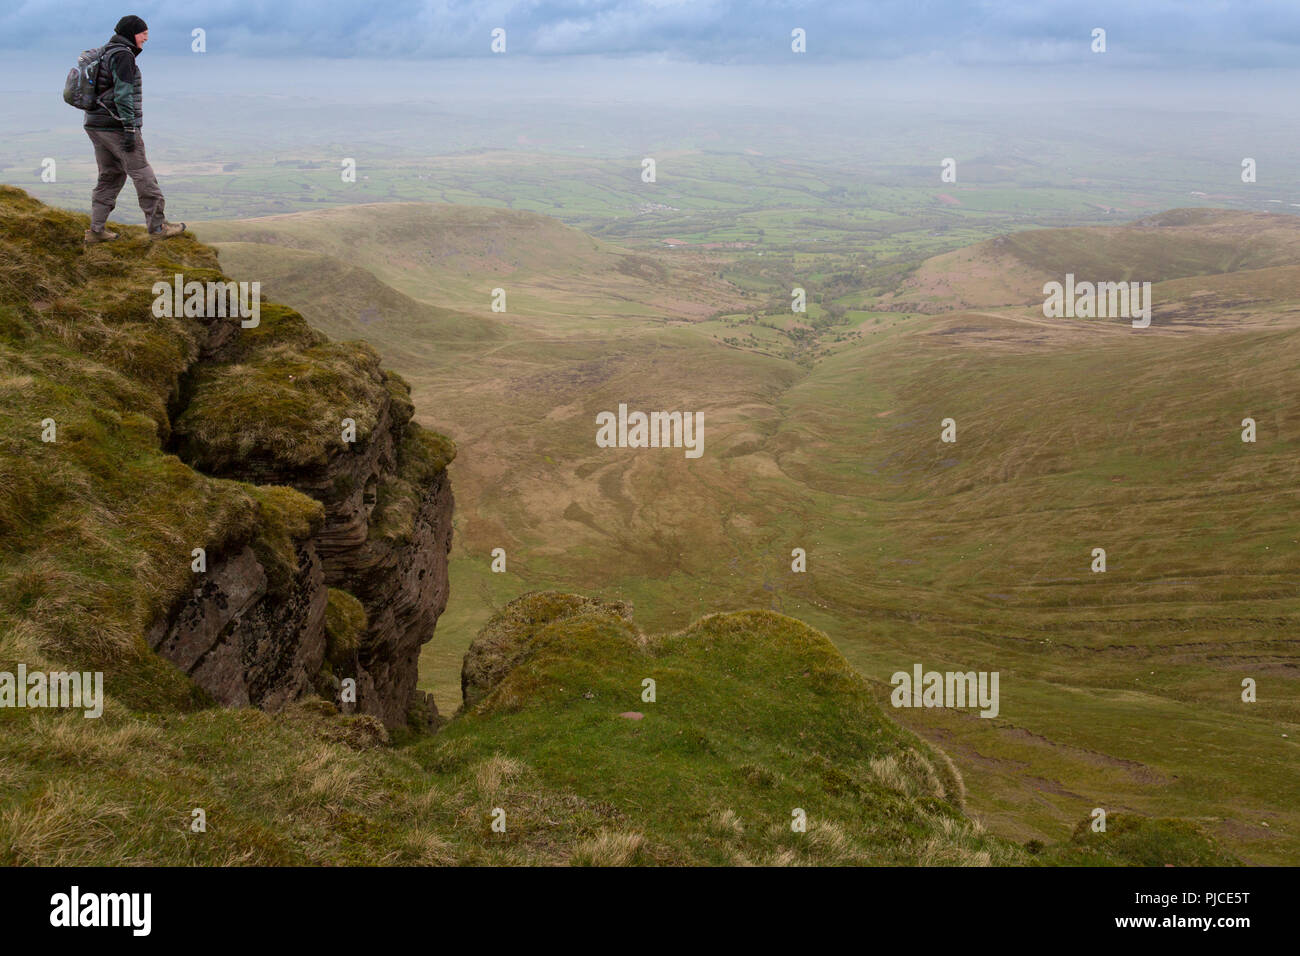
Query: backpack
x=83 y=79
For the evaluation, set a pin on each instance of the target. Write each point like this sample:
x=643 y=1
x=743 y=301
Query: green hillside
x=756 y=714
x=1123 y=688
x=96 y=532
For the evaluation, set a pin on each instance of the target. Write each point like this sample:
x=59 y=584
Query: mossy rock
x=285 y=519
x=283 y=410
x=422 y=456
x=98 y=526
x=345 y=623
x=507 y=639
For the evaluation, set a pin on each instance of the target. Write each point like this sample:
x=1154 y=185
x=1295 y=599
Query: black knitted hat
x=130 y=26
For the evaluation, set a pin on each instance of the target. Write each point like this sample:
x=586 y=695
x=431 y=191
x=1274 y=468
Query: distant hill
x=348 y=301
x=1208 y=244
x=454 y=256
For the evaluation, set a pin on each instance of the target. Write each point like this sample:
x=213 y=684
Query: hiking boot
x=170 y=230
x=99 y=235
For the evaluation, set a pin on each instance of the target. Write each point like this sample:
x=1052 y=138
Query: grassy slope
x=756 y=715
x=308 y=787
x=1120 y=690
x=94 y=522
x=96 y=527
x=1127 y=684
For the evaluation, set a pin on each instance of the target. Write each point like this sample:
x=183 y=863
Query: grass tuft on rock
x=345 y=622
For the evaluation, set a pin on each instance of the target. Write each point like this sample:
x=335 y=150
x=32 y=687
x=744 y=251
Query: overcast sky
x=1193 y=35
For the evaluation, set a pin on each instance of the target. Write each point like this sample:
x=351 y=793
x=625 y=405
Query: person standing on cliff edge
x=113 y=126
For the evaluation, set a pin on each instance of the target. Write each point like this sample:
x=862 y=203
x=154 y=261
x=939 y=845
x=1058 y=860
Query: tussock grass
x=609 y=848
x=491 y=775
x=1141 y=841
x=68 y=824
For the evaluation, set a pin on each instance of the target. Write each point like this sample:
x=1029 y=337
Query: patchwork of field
x=1120 y=689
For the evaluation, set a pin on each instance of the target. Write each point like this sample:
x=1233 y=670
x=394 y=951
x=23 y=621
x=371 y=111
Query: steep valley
x=1120 y=689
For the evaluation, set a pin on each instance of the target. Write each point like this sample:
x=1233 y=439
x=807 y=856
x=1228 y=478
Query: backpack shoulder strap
x=105 y=55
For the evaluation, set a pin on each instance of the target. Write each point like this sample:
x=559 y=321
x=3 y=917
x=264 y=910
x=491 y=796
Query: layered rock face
x=242 y=643
x=385 y=540
x=253 y=634
x=404 y=589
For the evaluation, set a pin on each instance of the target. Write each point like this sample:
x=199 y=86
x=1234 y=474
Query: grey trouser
x=115 y=164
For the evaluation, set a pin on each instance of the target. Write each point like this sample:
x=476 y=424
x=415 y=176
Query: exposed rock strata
x=250 y=640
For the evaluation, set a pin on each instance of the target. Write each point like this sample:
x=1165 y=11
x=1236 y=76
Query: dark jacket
x=120 y=100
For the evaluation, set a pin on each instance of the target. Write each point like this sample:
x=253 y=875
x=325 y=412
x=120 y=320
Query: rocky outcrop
x=228 y=487
x=243 y=644
x=404 y=589
x=250 y=634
